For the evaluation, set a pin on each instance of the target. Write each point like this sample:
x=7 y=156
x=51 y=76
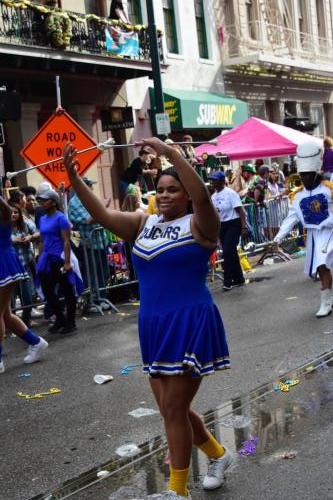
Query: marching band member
x=312 y=207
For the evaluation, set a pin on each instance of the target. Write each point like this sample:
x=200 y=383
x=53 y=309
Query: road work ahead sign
x=49 y=142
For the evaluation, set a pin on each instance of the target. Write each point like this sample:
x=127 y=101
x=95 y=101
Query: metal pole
x=155 y=61
x=58 y=90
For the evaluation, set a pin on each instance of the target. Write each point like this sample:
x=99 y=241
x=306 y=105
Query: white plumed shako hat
x=308 y=157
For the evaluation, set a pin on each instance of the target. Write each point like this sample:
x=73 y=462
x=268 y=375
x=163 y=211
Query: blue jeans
x=25 y=289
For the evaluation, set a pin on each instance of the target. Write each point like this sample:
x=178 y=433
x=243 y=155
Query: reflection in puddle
x=259 y=423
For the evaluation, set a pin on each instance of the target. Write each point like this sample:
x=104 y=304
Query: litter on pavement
x=127 y=369
x=102 y=379
x=39 y=395
x=128 y=450
x=143 y=412
x=249 y=447
x=285 y=386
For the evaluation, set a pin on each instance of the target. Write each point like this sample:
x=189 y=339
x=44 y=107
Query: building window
x=170 y=26
x=94 y=7
x=251 y=18
x=201 y=29
x=134 y=11
x=258 y=109
x=317 y=116
x=321 y=18
x=302 y=24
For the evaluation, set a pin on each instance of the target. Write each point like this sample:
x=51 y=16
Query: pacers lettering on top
x=154 y=233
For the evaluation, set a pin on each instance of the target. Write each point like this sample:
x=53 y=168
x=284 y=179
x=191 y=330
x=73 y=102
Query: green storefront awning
x=193 y=109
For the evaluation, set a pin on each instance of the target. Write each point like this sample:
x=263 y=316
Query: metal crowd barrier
x=106 y=264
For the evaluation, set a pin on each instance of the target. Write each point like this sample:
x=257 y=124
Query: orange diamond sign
x=48 y=143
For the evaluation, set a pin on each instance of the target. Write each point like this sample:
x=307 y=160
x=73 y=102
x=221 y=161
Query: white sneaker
x=216 y=468
x=35 y=352
x=325 y=303
x=2 y=367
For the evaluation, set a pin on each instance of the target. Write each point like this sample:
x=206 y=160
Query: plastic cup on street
x=102 y=379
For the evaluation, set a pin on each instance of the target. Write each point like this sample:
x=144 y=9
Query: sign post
x=48 y=144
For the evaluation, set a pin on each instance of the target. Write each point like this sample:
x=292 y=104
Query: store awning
x=192 y=109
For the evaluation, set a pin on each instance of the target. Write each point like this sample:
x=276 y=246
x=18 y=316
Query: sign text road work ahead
x=48 y=144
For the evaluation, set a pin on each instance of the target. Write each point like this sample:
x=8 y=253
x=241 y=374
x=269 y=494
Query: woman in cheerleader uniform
x=11 y=272
x=181 y=331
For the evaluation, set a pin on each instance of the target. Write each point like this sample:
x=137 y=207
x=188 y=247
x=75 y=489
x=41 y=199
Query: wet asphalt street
x=272 y=329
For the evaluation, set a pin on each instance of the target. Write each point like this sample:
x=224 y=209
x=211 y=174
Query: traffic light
x=301 y=123
x=10 y=106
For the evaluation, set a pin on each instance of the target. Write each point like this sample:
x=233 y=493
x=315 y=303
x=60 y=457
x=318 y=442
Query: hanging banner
x=121 y=43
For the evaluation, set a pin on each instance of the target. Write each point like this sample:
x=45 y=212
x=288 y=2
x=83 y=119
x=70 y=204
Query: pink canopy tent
x=256 y=138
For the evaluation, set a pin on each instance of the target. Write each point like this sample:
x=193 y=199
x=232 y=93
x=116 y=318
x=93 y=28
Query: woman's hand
x=159 y=146
x=244 y=232
x=70 y=161
x=66 y=267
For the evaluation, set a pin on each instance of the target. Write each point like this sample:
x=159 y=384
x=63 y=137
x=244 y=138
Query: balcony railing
x=276 y=40
x=56 y=29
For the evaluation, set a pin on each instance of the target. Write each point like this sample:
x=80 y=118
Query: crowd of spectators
x=252 y=183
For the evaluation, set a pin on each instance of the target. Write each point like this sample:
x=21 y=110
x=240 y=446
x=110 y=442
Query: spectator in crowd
x=176 y=147
x=281 y=180
x=188 y=149
x=328 y=158
x=30 y=206
x=273 y=189
x=22 y=237
x=18 y=199
x=137 y=168
x=258 y=186
x=43 y=187
x=57 y=266
x=257 y=164
x=117 y=11
x=233 y=224
x=131 y=203
x=85 y=224
x=241 y=179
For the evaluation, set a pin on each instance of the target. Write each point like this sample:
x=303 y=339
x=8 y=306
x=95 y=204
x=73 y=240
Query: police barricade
x=106 y=265
x=263 y=223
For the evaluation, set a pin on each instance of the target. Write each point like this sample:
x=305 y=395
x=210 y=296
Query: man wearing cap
x=85 y=224
x=232 y=216
x=138 y=167
x=312 y=207
x=241 y=179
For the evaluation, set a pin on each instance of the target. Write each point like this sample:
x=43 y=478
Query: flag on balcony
x=121 y=43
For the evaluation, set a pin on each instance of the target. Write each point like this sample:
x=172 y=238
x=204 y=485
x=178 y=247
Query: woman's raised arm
x=124 y=224
x=205 y=217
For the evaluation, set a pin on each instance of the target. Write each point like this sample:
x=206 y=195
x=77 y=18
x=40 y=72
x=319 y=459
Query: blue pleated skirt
x=11 y=269
x=189 y=339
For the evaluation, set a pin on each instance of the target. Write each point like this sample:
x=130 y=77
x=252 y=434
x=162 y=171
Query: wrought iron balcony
x=57 y=30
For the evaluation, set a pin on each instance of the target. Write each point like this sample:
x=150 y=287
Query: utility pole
x=155 y=61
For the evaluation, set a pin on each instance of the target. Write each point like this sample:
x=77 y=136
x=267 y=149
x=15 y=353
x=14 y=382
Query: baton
x=101 y=146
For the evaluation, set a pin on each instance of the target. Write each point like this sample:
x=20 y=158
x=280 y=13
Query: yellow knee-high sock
x=212 y=448
x=178 y=481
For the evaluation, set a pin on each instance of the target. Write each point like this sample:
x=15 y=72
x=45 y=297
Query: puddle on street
x=253 y=427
